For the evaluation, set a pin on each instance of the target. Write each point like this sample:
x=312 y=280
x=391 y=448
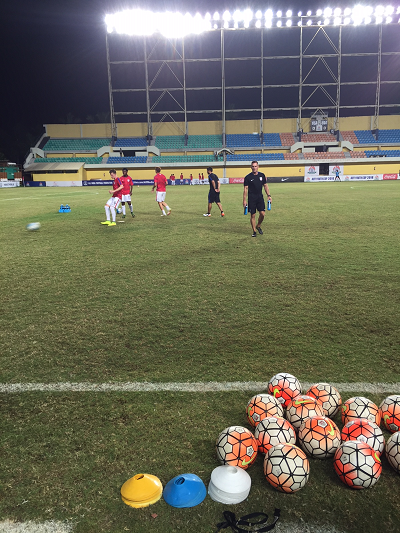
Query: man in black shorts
x=254 y=183
x=213 y=195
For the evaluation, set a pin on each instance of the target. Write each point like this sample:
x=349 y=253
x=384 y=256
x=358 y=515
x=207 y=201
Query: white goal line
x=210 y=386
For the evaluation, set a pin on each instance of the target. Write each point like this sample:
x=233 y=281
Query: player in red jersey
x=114 y=201
x=160 y=182
x=126 y=192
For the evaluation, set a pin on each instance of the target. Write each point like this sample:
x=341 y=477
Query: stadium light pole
x=110 y=93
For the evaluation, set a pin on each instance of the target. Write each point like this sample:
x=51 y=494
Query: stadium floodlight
x=319 y=12
x=326 y=22
x=258 y=23
x=379 y=10
x=337 y=12
x=269 y=14
x=215 y=26
x=388 y=20
x=358 y=15
x=379 y=19
x=337 y=21
x=299 y=23
x=226 y=16
x=346 y=21
x=237 y=16
x=216 y=16
x=268 y=23
x=236 y=25
x=367 y=20
x=207 y=16
x=279 y=14
x=319 y=23
x=327 y=12
x=226 y=25
x=309 y=13
x=398 y=11
x=299 y=14
x=309 y=22
x=247 y=17
x=279 y=23
x=258 y=15
x=289 y=13
x=347 y=12
x=389 y=10
x=246 y=24
x=289 y=22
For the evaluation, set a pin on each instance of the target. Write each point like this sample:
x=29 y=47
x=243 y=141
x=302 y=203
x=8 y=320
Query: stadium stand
x=75 y=145
x=323 y=155
x=272 y=139
x=170 y=142
x=254 y=157
x=204 y=141
x=287 y=139
x=237 y=140
x=382 y=153
x=290 y=157
x=365 y=137
x=358 y=155
x=184 y=159
x=134 y=159
x=389 y=136
x=86 y=160
x=125 y=142
x=349 y=136
x=318 y=138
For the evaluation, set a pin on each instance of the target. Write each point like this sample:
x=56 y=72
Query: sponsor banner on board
x=311 y=170
x=236 y=180
x=390 y=176
x=63 y=183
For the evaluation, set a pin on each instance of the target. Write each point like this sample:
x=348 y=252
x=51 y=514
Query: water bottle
x=269 y=205
x=245 y=209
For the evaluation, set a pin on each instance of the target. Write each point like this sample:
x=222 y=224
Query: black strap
x=248 y=521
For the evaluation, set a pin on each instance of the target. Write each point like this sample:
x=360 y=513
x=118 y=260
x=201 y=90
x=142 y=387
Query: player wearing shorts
x=126 y=192
x=114 y=201
x=254 y=183
x=213 y=195
x=160 y=183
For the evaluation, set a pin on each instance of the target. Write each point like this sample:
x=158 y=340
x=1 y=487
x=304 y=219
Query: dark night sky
x=54 y=60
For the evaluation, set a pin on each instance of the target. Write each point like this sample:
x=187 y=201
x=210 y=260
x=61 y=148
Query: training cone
x=229 y=484
x=141 y=490
x=186 y=490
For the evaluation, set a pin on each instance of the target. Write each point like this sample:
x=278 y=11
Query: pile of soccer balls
x=283 y=414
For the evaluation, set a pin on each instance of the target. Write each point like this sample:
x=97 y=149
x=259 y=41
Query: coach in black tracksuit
x=254 y=183
x=213 y=195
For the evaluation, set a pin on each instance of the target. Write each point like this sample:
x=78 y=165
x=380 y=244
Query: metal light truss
x=314 y=93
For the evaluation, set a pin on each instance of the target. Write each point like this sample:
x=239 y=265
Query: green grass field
x=187 y=299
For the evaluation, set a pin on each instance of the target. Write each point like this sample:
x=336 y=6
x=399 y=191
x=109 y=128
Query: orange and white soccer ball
x=392 y=450
x=319 y=437
x=360 y=407
x=274 y=430
x=284 y=387
x=302 y=407
x=357 y=464
x=237 y=446
x=390 y=413
x=363 y=430
x=328 y=396
x=286 y=467
x=262 y=406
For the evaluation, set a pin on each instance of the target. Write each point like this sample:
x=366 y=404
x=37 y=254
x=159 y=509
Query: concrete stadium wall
x=211 y=127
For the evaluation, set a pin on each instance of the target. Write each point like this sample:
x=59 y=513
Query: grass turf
x=186 y=298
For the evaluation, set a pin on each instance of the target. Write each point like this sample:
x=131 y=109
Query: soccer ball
x=119 y=210
x=286 y=467
x=357 y=464
x=393 y=451
x=363 y=430
x=319 y=437
x=237 y=446
x=284 y=387
x=390 y=413
x=33 y=226
x=360 y=407
x=262 y=406
x=302 y=407
x=328 y=396
x=274 y=430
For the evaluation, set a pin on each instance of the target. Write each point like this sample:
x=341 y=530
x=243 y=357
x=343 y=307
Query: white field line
x=49 y=526
x=210 y=386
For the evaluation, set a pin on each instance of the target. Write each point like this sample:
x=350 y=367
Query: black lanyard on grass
x=248 y=521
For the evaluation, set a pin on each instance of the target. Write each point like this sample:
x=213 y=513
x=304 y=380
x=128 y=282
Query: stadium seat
x=75 y=145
